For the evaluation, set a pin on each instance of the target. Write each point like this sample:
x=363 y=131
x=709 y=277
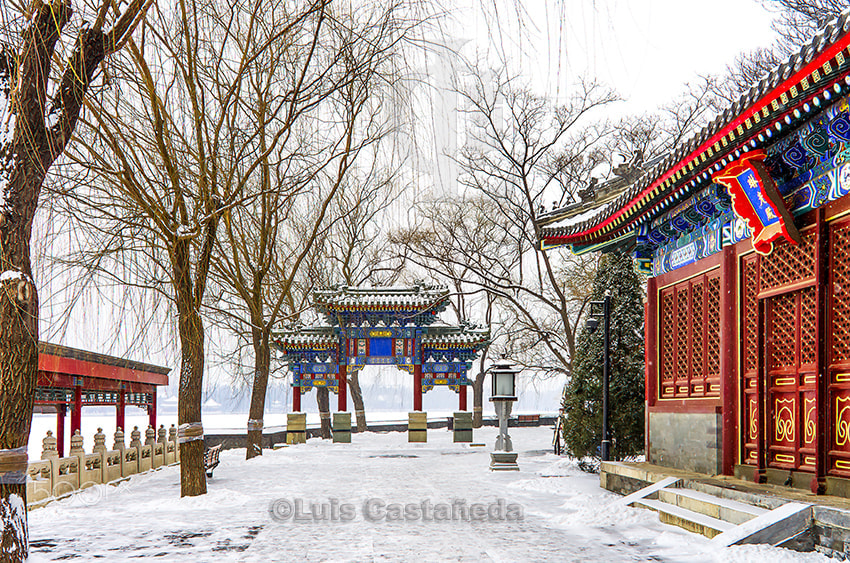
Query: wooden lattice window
x=712 y=335
x=750 y=313
x=782 y=336
x=840 y=294
x=789 y=264
x=668 y=340
x=808 y=328
x=689 y=337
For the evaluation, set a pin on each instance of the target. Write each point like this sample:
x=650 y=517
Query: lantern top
x=504 y=374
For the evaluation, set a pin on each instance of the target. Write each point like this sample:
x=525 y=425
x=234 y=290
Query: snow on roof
x=575 y=219
x=307 y=337
x=409 y=297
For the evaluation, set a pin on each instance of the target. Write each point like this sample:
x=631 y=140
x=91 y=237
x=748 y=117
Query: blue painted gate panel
x=381 y=347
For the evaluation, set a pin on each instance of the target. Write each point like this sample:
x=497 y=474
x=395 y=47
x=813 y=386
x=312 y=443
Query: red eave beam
x=71 y=366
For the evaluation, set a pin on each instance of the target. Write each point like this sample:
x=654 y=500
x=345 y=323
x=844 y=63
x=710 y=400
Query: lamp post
x=601 y=310
x=503 y=395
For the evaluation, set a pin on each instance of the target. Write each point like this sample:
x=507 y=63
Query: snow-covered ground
x=260 y=510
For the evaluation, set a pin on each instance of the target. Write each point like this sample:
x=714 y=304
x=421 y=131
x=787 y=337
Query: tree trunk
x=323 y=401
x=357 y=399
x=478 y=400
x=19 y=342
x=193 y=480
x=18 y=375
x=262 y=361
x=28 y=147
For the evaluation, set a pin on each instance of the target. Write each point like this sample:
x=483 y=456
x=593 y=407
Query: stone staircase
x=699 y=512
x=729 y=515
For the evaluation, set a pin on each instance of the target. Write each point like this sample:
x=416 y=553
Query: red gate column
x=77 y=413
x=296 y=399
x=818 y=485
x=729 y=343
x=342 y=398
x=417 y=387
x=462 y=398
x=60 y=430
x=651 y=352
x=119 y=413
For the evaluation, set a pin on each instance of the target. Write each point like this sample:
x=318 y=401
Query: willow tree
x=332 y=123
x=47 y=64
x=161 y=156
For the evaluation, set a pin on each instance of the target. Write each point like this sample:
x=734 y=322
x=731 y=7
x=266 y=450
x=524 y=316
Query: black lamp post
x=601 y=310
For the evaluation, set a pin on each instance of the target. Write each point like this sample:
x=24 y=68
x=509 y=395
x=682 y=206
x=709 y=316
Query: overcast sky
x=645 y=49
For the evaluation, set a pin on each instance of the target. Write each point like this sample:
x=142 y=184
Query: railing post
x=172 y=438
x=100 y=448
x=78 y=452
x=118 y=444
x=150 y=440
x=136 y=443
x=50 y=453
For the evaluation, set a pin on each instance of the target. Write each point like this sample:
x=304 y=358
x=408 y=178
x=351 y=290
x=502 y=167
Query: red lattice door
x=838 y=393
x=791 y=378
x=751 y=427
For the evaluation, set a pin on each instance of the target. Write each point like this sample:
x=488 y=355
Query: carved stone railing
x=55 y=477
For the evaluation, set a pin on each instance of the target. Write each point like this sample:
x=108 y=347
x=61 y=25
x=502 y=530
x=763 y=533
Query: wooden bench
x=528 y=419
x=211 y=459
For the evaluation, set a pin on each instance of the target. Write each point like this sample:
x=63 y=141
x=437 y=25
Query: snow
x=185 y=231
x=14 y=512
x=10 y=275
x=566 y=516
x=576 y=219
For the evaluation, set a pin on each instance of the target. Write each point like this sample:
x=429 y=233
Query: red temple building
x=70 y=379
x=744 y=234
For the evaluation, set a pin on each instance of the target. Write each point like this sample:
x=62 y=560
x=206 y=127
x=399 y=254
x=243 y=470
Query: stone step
x=727 y=510
x=761 y=500
x=686 y=519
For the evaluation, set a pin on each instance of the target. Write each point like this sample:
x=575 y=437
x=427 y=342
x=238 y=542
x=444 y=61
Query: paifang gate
x=397 y=326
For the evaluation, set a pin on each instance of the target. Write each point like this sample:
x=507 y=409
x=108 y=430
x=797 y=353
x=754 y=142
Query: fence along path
x=55 y=477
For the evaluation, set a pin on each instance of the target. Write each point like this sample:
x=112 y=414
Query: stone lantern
x=503 y=394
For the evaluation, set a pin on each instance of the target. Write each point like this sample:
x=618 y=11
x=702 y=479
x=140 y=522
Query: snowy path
x=566 y=516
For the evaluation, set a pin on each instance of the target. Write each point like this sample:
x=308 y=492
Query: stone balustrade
x=55 y=477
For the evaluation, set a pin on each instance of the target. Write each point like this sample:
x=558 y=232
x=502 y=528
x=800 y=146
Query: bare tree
x=514 y=158
x=269 y=240
x=357 y=250
x=41 y=96
x=167 y=164
x=796 y=22
x=450 y=231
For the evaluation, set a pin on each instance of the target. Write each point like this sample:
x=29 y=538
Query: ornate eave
x=466 y=337
x=412 y=300
x=795 y=91
x=316 y=337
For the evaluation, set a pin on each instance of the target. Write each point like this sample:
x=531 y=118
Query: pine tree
x=582 y=401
